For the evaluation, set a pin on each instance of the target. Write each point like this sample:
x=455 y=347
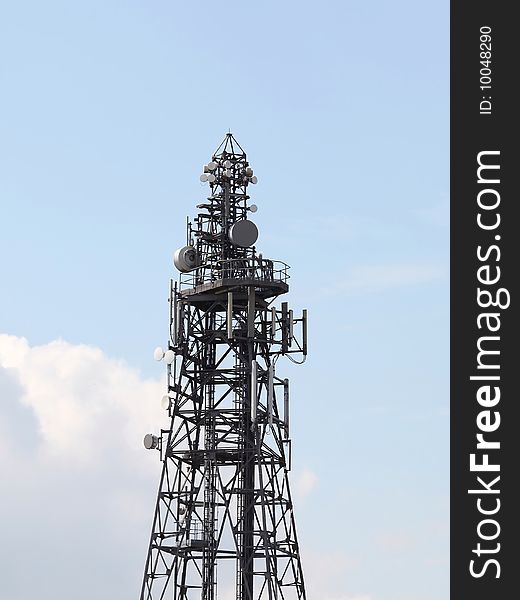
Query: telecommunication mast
x=224 y=526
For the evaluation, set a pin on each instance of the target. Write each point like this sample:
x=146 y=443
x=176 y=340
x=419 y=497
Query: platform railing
x=260 y=269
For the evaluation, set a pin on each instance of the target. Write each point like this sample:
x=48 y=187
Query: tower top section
x=228 y=167
x=220 y=249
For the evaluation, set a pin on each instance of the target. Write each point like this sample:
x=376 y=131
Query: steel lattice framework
x=224 y=524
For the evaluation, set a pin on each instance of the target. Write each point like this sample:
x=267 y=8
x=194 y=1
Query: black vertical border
x=471 y=133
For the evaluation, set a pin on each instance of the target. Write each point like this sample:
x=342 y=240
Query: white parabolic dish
x=150 y=441
x=185 y=259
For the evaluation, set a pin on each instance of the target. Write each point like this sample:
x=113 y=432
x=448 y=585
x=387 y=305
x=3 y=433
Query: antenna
x=224 y=515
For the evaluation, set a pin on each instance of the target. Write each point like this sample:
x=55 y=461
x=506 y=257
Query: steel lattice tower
x=224 y=525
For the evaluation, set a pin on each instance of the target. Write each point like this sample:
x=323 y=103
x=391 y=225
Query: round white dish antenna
x=150 y=441
x=254 y=179
x=169 y=357
x=227 y=164
x=158 y=353
x=253 y=208
x=204 y=177
x=211 y=177
x=212 y=166
x=165 y=402
x=186 y=258
x=243 y=233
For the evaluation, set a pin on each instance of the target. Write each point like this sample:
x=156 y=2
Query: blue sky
x=108 y=111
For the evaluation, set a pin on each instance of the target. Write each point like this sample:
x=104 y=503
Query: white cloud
x=327 y=574
x=305 y=483
x=396 y=541
x=78 y=488
x=84 y=402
